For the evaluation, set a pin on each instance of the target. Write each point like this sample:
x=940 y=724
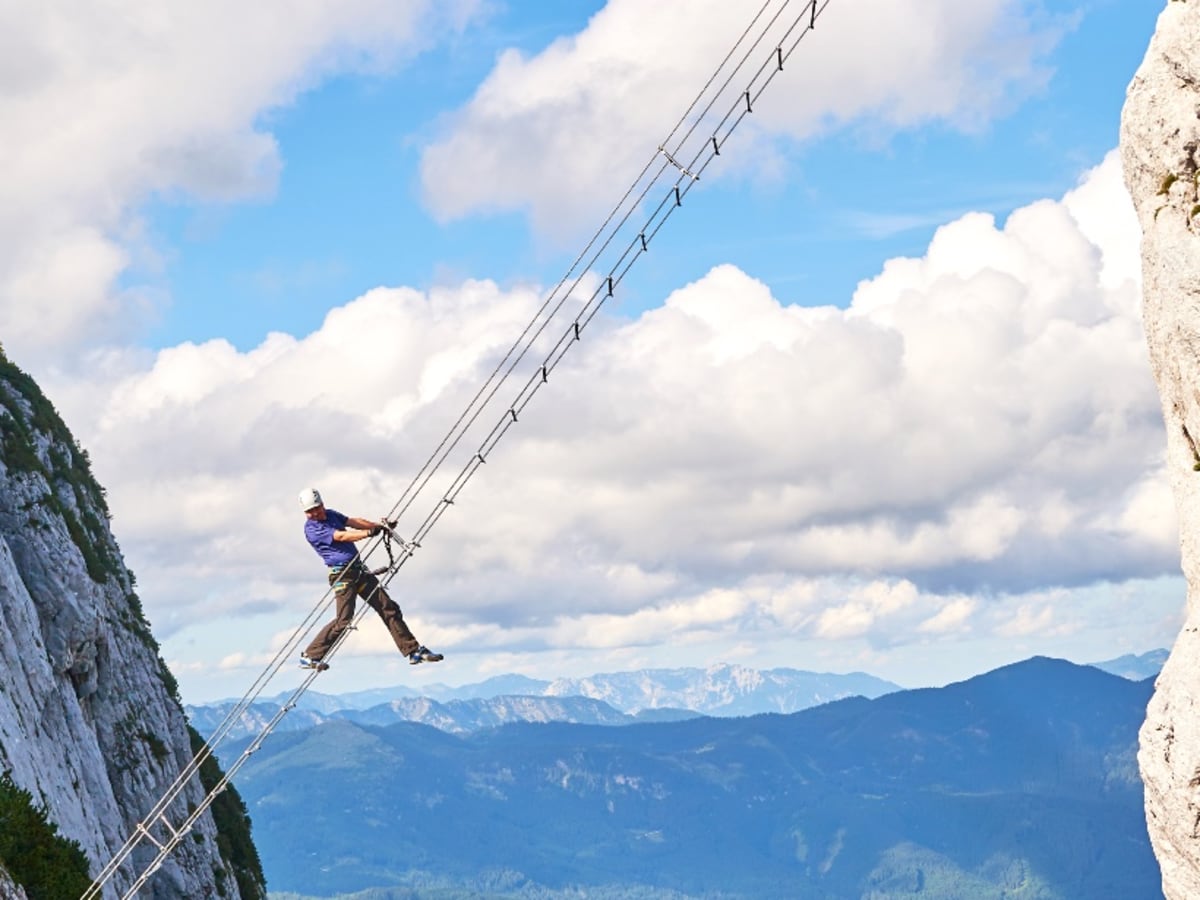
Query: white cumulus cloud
x=107 y=104
x=978 y=426
x=561 y=133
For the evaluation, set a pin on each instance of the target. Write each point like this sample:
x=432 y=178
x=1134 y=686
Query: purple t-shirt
x=320 y=535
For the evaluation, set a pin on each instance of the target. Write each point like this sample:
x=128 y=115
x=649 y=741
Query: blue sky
x=836 y=419
x=327 y=232
x=346 y=212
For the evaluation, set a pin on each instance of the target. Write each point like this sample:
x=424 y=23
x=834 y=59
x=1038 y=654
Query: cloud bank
x=972 y=440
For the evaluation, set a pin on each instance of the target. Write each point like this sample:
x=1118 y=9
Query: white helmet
x=310 y=498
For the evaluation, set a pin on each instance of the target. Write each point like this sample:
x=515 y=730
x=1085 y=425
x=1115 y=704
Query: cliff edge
x=90 y=720
x=1160 y=152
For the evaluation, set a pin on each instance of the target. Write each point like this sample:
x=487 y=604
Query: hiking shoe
x=306 y=663
x=423 y=654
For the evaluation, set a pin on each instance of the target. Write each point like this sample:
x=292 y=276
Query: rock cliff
x=90 y=721
x=1160 y=151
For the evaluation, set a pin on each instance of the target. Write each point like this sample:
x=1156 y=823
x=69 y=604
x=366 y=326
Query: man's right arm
x=352 y=534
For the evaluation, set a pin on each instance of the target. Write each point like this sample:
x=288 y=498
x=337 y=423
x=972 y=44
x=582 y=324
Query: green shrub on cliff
x=47 y=865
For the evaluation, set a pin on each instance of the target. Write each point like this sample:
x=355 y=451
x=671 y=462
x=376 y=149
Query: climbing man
x=333 y=536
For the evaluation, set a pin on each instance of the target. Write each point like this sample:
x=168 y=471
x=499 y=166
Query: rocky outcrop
x=90 y=720
x=9 y=890
x=1160 y=150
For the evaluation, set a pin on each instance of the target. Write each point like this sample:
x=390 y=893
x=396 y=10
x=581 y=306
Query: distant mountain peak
x=1136 y=667
x=722 y=689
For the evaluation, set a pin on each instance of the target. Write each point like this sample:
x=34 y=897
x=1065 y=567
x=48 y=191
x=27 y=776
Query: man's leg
x=343 y=590
x=372 y=591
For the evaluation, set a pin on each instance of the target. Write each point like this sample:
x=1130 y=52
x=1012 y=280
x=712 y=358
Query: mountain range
x=1020 y=783
x=1136 y=666
x=621 y=698
x=609 y=699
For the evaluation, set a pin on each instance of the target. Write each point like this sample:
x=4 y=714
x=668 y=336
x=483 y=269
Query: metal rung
x=141 y=827
x=673 y=161
x=162 y=817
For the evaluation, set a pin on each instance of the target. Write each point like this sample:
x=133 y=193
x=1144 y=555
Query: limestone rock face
x=10 y=891
x=1160 y=151
x=90 y=723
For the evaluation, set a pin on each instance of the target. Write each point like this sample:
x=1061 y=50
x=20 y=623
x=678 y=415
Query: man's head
x=311 y=503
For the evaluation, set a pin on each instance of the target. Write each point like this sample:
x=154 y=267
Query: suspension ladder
x=672 y=171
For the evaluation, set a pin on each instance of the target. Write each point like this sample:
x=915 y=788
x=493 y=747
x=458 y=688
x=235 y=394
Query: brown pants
x=348 y=582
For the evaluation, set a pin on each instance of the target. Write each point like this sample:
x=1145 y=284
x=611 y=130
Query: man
x=333 y=536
